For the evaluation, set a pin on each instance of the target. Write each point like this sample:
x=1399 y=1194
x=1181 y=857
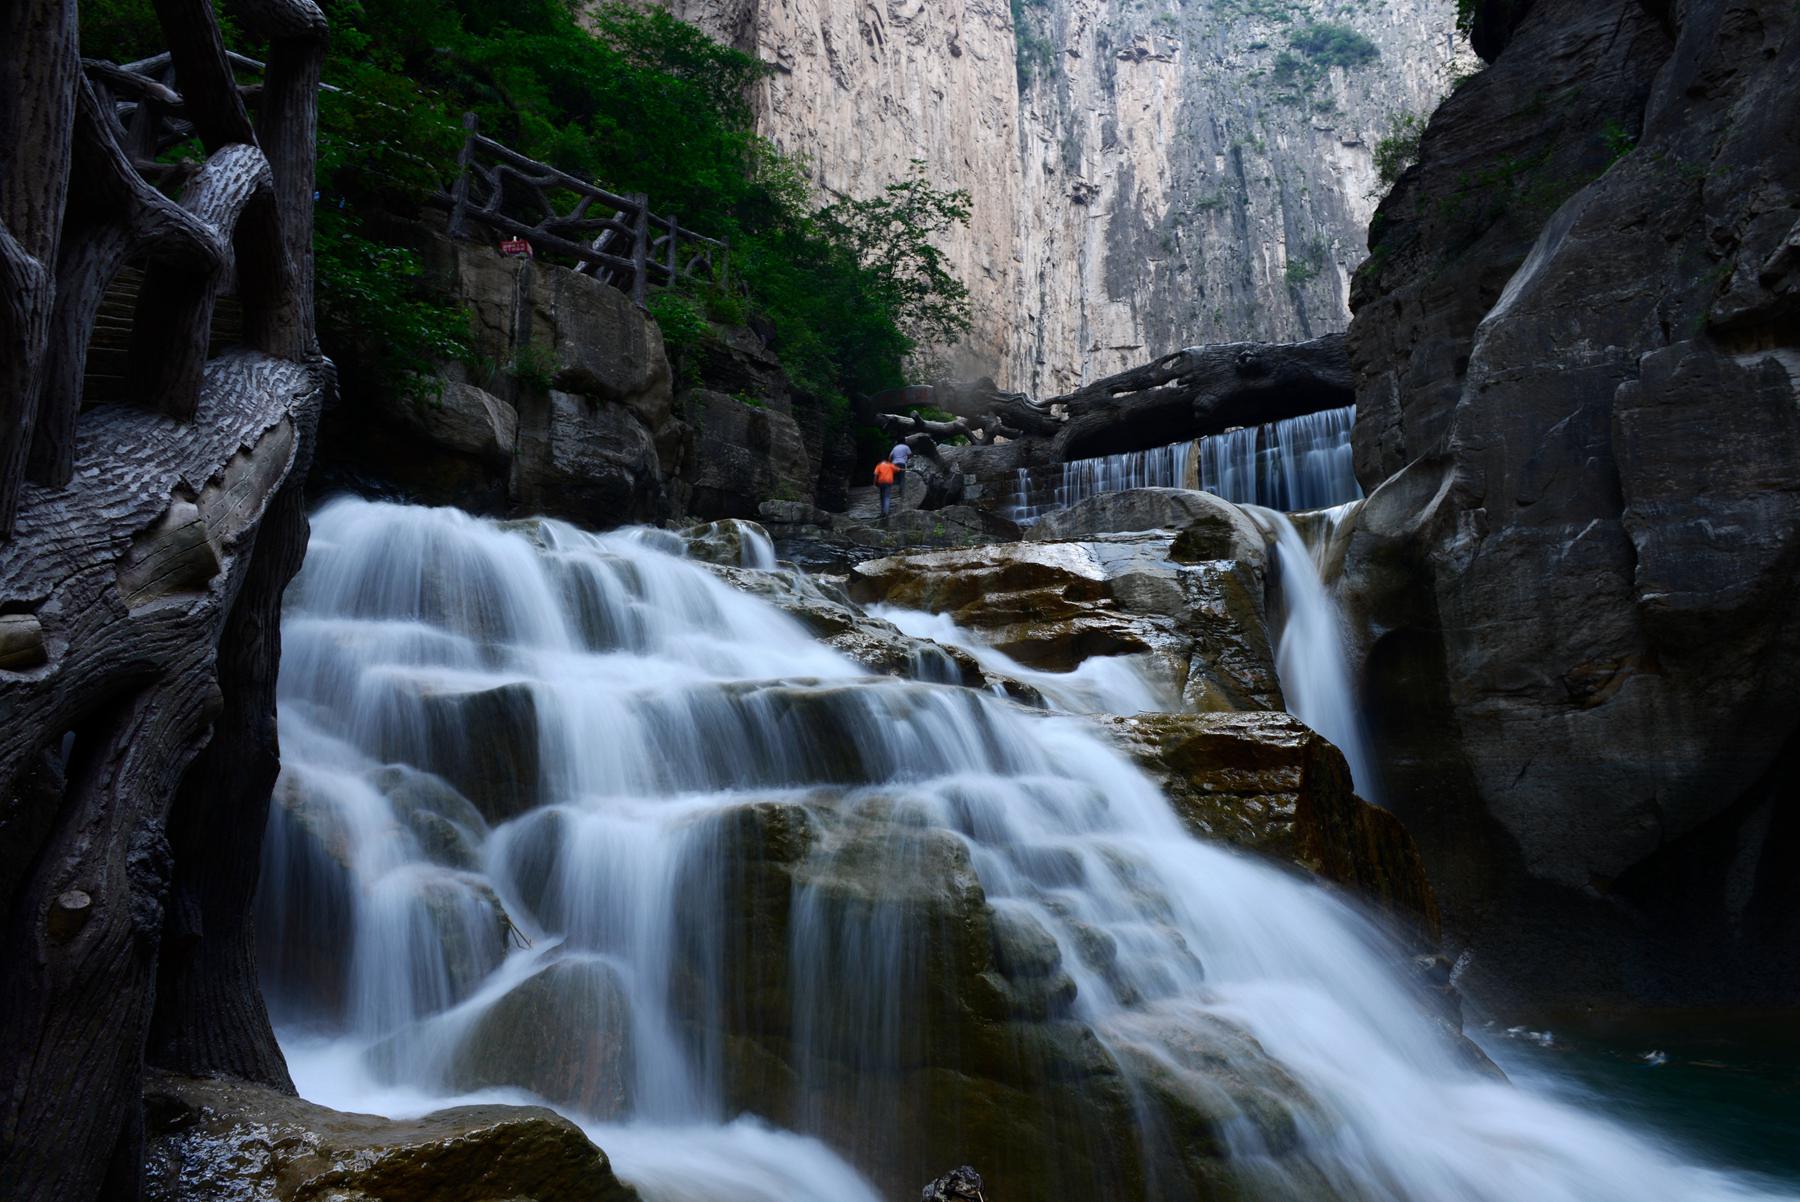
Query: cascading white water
x=1100 y=684
x=1298 y=463
x=1309 y=653
x=1079 y=479
x=619 y=713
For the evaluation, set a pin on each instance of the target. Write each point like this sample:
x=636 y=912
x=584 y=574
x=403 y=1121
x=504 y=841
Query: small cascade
x=1077 y=480
x=1294 y=464
x=1101 y=684
x=1309 y=653
x=564 y=818
x=1299 y=463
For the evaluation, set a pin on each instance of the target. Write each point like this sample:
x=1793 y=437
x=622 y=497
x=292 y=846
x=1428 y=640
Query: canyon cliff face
x=1145 y=176
x=1577 y=344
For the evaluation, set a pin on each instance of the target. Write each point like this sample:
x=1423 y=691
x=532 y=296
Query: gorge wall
x=1146 y=174
x=1577 y=343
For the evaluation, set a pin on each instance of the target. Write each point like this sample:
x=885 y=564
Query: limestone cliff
x=1147 y=174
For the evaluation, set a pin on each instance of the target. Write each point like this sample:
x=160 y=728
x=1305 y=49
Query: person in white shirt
x=899 y=457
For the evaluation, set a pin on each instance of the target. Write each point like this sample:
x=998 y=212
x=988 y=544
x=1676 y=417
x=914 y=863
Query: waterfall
x=1299 y=463
x=1079 y=479
x=1309 y=652
x=562 y=816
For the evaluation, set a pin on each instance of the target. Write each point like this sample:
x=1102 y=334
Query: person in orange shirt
x=885 y=474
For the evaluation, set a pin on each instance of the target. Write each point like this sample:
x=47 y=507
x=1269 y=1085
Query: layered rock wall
x=1146 y=176
x=1578 y=347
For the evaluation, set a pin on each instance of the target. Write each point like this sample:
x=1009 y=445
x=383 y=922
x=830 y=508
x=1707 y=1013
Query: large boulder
x=1052 y=605
x=207 y=1140
x=1212 y=528
x=1270 y=784
x=459 y=418
x=484 y=742
x=592 y=461
x=564 y=1034
x=992 y=1061
x=1575 y=574
x=744 y=452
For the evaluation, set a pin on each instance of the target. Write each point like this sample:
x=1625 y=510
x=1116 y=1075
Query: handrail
x=494 y=183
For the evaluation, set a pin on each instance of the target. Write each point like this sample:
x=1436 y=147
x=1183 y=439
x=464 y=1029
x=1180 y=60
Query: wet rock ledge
x=210 y=1140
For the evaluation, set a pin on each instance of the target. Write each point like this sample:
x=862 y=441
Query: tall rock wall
x=1146 y=175
x=1578 y=353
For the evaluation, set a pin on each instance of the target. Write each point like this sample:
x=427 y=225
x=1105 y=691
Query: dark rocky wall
x=1577 y=344
x=572 y=406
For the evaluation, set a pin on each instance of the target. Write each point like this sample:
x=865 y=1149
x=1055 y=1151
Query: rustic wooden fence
x=615 y=238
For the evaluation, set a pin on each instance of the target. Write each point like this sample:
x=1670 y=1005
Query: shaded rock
x=958 y=1185
x=564 y=1034
x=486 y=745
x=1203 y=390
x=211 y=1140
x=1575 y=580
x=1210 y=528
x=306 y=862
x=792 y=513
x=1268 y=783
x=592 y=461
x=730 y=542
x=1054 y=604
x=467 y=925
x=742 y=455
x=875 y=644
x=459 y=418
x=446 y=824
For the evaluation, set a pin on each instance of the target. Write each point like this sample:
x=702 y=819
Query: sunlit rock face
x=1145 y=176
x=1057 y=604
x=1575 y=575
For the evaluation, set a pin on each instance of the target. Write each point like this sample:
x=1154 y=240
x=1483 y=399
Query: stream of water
x=631 y=761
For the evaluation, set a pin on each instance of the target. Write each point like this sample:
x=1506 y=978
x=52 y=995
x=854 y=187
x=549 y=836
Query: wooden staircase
x=106 y=376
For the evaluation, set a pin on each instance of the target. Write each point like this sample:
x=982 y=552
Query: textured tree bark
x=142 y=564
x=37 y=116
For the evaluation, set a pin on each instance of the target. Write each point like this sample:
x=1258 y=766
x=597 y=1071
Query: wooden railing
x=615 y=238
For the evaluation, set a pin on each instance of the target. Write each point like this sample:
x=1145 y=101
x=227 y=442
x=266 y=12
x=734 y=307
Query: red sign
x=516 y=246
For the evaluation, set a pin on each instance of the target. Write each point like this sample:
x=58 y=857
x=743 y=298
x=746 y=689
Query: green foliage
x=1619 y=141
x=1399 y=149
x=1033 y=52
x=1331 y=45
x=370 y=302
x=533 y=367
x=682 y=324
x=1465 y=16
x=1315 y=48
x=1298 y=272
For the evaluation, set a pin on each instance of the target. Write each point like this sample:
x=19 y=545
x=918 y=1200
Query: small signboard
x=516 y=246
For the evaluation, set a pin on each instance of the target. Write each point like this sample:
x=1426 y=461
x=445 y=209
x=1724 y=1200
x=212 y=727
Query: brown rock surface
x=1053 y=604
x=212 y=1140
x=1267 y=783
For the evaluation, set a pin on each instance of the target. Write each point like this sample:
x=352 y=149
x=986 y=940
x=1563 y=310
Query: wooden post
x=674 y=250
x=640 y=250
x=459 y=191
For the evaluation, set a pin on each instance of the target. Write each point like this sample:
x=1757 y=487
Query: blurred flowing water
x=562 y=816
x=1310 y=648
x=1297 y=463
